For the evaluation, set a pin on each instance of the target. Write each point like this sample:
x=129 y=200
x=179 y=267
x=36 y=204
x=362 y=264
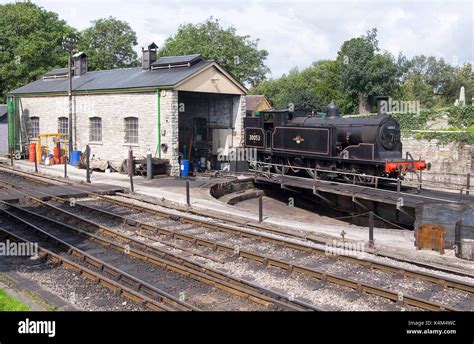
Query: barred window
x=95 y=129
x=131 y=130
x=63 y=125
x=34 y=127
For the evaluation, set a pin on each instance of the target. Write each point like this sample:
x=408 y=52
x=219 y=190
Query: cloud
x=297 y=33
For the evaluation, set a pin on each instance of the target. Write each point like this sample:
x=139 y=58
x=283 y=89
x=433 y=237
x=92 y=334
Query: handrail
x=419 y=182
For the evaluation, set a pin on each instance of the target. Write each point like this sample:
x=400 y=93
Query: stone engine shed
x=176 y=107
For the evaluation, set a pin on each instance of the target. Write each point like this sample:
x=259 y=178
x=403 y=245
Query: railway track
x=200 y=288
x=126 y=214
x=61 y=253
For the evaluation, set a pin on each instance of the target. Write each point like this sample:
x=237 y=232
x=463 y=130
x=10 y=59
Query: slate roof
x=115 y=79
x=177 y=60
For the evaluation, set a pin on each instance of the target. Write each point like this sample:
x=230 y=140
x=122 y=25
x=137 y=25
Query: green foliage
x=30 y=44
x=444 y=138
x=310 y=88
x=10 y=304
x=363 y=72
x=459 y=119
x=237 y=54
x=434 y=83
x=358 y=72
x=415 y=121
x=109 y=44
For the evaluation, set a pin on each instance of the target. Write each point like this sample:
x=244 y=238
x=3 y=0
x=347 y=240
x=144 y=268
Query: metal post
x=65 y=166
x=149 y=166
x=69 y=44
x=371 y=229
x=420 y=181
x=70 y=102
x=11 y=156
x=398 y=185
x=36 y=162
x=260 y=209
x=88 y=170
x=468 y=183
x=457 y=239
x=130 y=168
x=188 y=198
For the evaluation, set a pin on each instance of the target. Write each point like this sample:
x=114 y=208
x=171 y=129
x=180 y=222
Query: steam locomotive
x=370 y=146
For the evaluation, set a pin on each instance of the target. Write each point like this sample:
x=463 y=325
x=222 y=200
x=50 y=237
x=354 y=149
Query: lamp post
x=69 y=44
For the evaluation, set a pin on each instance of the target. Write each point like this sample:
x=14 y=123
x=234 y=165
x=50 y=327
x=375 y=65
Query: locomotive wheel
x=294 y=164
x=280 y=169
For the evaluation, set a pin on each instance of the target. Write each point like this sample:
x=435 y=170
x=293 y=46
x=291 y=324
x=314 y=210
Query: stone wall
x=112 y=109
x=169 y=129
x=226 y=111
x=449 y=162
x=239 y=109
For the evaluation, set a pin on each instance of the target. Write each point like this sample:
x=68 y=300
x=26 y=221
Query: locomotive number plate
x=255 y=137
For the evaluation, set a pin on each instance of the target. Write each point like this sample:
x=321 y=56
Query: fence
x=415 y=179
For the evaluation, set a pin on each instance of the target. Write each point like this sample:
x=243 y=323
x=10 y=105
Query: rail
x=113 y=285
x=170 y=261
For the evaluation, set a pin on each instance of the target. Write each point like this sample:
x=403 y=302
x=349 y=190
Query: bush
x=459 y=118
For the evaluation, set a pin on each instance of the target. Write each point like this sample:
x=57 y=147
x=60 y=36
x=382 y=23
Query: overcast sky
x=296 y=33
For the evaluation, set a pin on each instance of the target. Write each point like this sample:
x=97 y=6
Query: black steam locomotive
x=368 y=146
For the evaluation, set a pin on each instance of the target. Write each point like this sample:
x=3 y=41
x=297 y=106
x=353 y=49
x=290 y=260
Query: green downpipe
x=159 y=122
x=16 y=119
x=11 y=123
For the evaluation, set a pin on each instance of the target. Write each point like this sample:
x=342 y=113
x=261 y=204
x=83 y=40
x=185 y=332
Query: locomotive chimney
x=382 y=105
x=332 y=110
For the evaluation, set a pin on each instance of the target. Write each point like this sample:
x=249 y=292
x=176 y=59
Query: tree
x=312 y=88
x=30 y=44
x=109 y=44
x=238 y=55
x=363 y=72
x=434 y=82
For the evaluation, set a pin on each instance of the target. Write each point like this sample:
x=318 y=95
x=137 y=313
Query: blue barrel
x=75 y=157
x=184 y=168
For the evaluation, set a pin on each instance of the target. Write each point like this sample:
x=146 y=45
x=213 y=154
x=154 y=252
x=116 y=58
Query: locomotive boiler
x=367 y=146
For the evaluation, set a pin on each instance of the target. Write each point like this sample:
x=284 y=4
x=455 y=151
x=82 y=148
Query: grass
x=5 y=280
x=10 y=304
x=35 y=297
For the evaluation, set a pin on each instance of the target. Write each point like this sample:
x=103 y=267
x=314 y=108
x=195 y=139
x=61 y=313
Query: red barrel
x=56 y=152
x=32 y=152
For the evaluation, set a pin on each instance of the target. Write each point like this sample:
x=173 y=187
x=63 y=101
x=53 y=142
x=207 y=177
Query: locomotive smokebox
x=382 y=105
x=332 y=111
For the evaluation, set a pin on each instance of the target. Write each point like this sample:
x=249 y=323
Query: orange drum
x=56 y=152
x=32 y=152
